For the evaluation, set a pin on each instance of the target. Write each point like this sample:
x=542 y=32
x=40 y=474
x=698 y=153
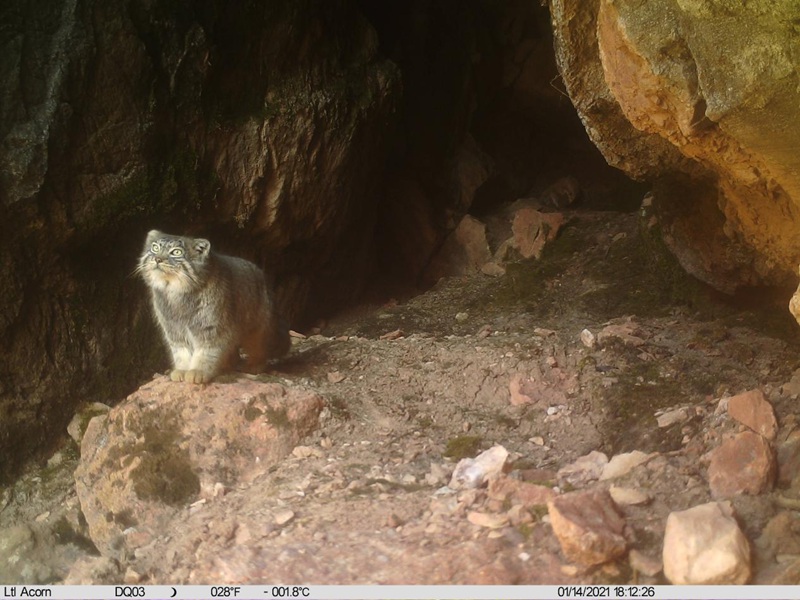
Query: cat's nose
x=158 y=260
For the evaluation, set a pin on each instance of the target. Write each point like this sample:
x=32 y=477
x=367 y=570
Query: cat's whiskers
x=138 y=270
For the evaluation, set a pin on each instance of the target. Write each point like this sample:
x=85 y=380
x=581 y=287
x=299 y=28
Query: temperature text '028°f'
x=225 y=591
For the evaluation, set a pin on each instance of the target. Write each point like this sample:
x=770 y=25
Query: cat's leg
x=178 y=340
x=181 y=361
x=208 y=361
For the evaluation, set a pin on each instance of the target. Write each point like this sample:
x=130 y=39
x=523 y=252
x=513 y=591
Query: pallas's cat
x=209 y=307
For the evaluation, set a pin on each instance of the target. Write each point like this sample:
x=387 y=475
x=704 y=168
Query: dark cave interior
x=482 y=70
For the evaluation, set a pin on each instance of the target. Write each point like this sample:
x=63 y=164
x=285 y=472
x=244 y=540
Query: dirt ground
x=412 y=387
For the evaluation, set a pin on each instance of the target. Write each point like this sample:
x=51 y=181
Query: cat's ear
x=153 y=235
x=201 y=247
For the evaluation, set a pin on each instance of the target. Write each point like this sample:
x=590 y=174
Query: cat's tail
x=277 y=340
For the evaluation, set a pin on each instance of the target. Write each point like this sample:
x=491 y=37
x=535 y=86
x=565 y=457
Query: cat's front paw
x=177 y=374
x=196 y=376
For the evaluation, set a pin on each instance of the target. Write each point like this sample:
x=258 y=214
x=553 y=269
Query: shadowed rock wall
x=263 y=125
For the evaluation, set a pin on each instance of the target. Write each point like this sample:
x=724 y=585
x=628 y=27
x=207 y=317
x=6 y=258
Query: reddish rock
x=168 y=444
x=465 y=251
x=742 y=464
x=515 y=388
x=519 y=492
x=533 y=229
x=753 y=410
x=588 y=527
x=393 y=335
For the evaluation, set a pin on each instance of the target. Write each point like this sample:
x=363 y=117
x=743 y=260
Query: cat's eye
x=155 y=247
x=176 y=252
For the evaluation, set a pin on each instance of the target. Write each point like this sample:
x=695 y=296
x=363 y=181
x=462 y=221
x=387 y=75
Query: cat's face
x=173 y=263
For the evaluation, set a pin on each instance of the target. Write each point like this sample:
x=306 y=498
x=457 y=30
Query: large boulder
x=170 y=445
x=699 y=98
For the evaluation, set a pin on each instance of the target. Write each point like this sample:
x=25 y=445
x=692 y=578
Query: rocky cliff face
x=701 y=99
x=261 y=125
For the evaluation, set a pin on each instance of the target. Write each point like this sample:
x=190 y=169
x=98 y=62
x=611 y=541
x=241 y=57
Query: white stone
x=672 y=417
x=488 y=520
x=588 y=339
x=622 y=464
x=704 y=546
x=473 y=472
x=628 y=496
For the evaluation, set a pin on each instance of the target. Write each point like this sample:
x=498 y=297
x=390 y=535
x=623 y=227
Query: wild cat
x=209 y=306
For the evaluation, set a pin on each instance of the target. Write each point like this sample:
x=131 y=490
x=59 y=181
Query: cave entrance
x=484 y=120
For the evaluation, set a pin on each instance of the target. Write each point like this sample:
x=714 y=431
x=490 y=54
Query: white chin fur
x=165 y=281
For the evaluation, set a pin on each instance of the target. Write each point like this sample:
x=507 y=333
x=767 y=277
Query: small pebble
x=588 y=339
x=489 y=520
x=284 y=516
x=336 y=377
